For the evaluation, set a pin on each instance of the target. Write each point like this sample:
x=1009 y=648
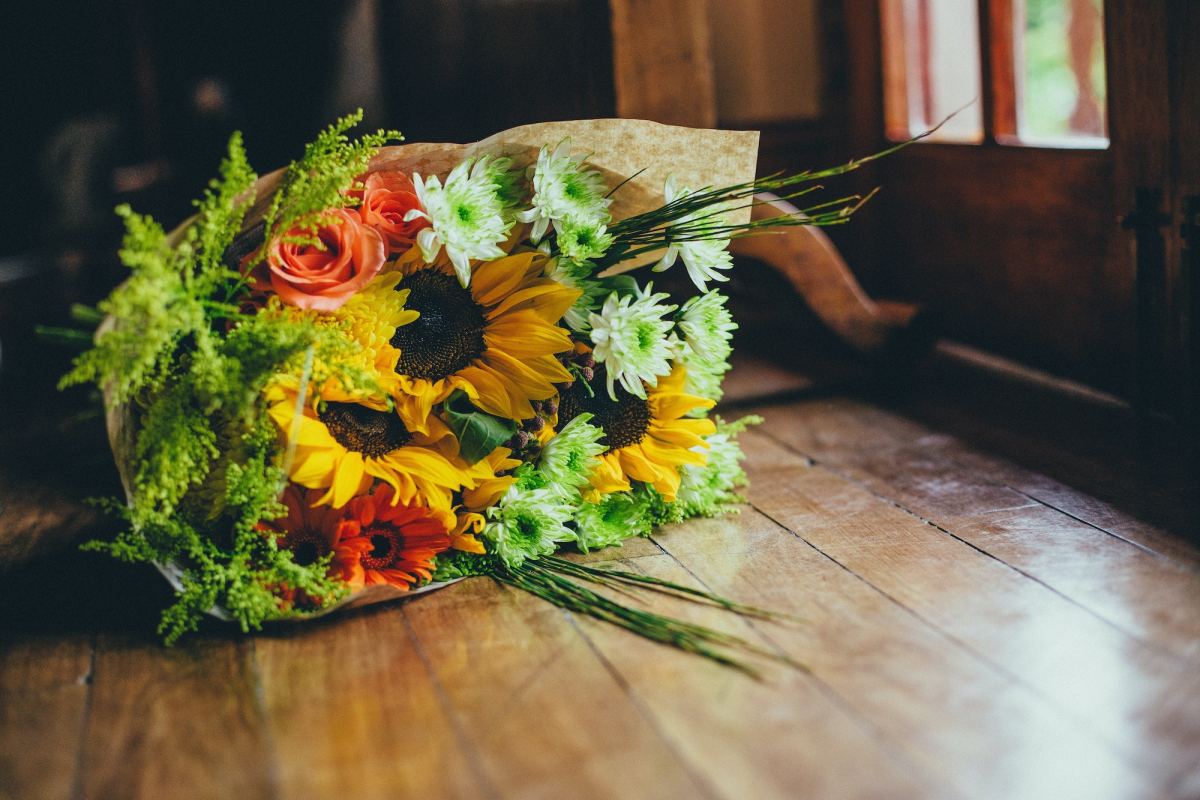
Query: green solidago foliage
x=190 y=368
x=319 y=180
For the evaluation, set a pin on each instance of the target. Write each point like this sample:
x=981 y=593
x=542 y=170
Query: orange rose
x=308 y=277
x=386 y=198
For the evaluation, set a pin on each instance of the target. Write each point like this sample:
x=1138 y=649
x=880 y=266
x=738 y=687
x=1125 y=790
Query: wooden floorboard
x=973 y=625
x=746 y=738
x=1129 y=692
x=44 y=685
x=1115 y=575
x=539 y=709
x=957 y=716
x=180 y=722
x=362 y=681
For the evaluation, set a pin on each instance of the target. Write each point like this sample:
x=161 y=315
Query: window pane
x=1059 y=49
x=932 y=57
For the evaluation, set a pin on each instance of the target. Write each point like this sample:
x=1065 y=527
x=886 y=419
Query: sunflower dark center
x=387 y=547
x=449 y=333
x=364 y=430
x=624 y=422
x=307 y=546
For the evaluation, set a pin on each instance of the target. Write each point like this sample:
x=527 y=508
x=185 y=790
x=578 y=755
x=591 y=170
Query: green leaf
x=478 y=433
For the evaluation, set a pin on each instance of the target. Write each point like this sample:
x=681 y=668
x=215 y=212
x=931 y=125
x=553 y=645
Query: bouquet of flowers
x=386 y=368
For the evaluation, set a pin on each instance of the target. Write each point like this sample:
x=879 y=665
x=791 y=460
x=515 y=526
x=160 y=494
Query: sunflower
x=495 y=340
x=385 y=542
x=344 y=447
x=648 y=440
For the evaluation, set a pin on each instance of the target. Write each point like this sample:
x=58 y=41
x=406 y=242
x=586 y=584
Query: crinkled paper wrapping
x=618 y=148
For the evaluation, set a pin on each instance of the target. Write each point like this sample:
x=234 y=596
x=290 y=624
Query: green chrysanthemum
x=707 y=329
x=467 y=215
x=612 y=520
x=632 y=340
x=583 y=240
x=508 y=183
x=577 y=275
x=528 y=524
x=569 y=457
x=658 y=509
x=563 y=189
x=710 y=490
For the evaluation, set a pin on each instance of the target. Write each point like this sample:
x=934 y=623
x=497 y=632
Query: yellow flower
x=344 y=447
x=648 y=440
x=495 y=340
x=370 y=318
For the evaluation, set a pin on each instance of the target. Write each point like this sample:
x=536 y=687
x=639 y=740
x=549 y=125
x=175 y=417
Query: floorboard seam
x=474 y=760
x=260 y=707
x=85 y=720
x=1083 y=724
x=644 y=711
x=828 y=691
x=815 y=464
x=1191 y=567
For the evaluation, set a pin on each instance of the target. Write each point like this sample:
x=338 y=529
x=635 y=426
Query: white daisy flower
x=563 y=189
x=633 y=341
x=466 y=216
x=704 y=258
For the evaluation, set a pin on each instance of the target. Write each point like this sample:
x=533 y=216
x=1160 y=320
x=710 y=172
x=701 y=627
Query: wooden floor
x=975 y=624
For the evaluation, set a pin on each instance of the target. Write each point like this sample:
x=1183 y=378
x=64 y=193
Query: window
x=1029 y=72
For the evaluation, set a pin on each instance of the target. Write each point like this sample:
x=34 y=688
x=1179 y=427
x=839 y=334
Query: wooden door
x=1063 y=254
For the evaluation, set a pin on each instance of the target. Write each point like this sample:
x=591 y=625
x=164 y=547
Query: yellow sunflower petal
x=493 y=280
x=314 y=469
x=547 y=299
x=348 y=478
x=607 y=477
x=674 y=406
x=523 y=334
x=494 y=393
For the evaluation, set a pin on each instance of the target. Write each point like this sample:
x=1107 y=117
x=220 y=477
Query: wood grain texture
x=351 y=710
x=1150 y=596
x=43 y=699
x=1067 y=653
x=663 y=71
x=958 y=720
x=536 y=706
x=969 y=628
x=182 y=722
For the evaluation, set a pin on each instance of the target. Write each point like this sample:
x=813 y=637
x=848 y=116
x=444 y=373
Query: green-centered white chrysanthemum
x=612 y=520
x=564 y=189
x=710 y=489
x=508 y=183
x=704 y=257
x=466 y=215
x=577 y=275
x=583 y=240
x=567 y=460
x=707 y=328
x=632 y=340
x=528 y=524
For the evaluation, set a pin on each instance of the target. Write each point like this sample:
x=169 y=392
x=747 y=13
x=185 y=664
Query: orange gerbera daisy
x=648 y=440
x=385 y=543
x=495 y=340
